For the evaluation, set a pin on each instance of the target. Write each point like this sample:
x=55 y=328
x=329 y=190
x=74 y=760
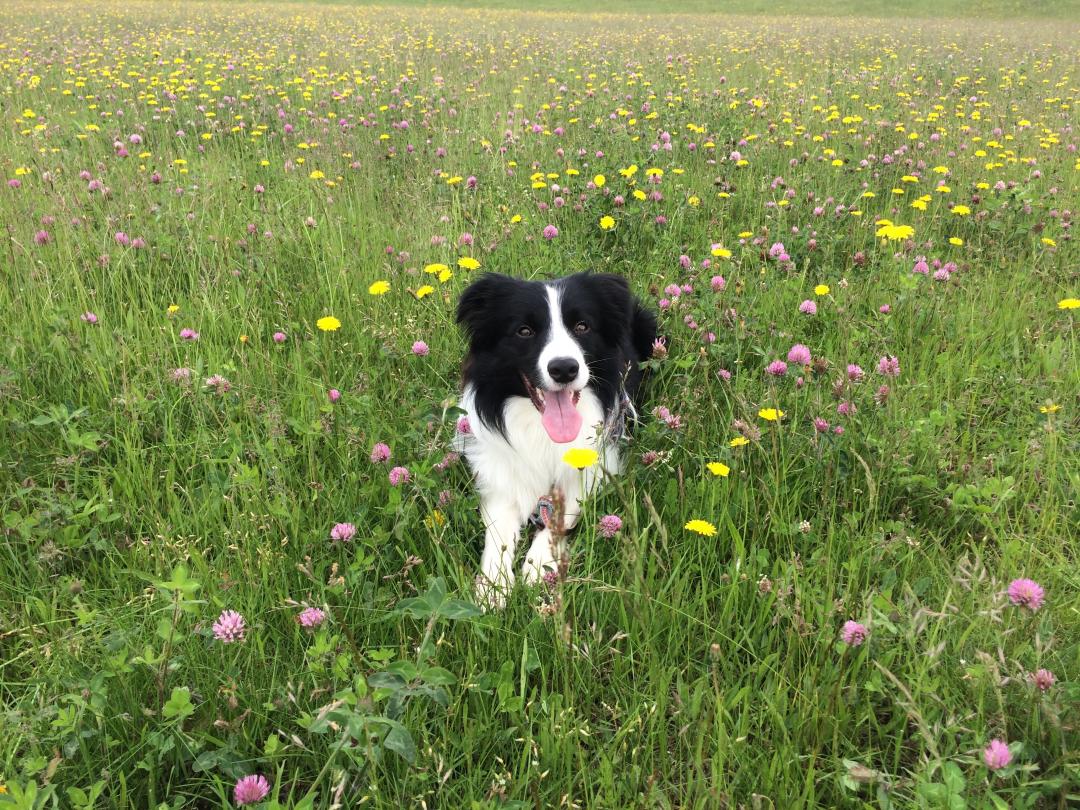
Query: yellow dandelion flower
x=1069 y=303
x=316 y=175
x=453 y=181
x=468 y=263
x=745 y=234
x=1046 y=240
x=515 y=219
x=702 y=527
x=693 y=200
x=771 y=414
x=599 y=181
x=1050 y=408
x=739 y=441
x=821 y=289
x=961 y=210
x=435 y=269
x=427 y=289
x=721 y=252
x=328 y=323
x=380 y=287
x=639 y=194
x=894 y=232
x=445 y=275
x=581 y=457
x=607 y=223
x=956 y=240
x=172 y=309
x=719 y=469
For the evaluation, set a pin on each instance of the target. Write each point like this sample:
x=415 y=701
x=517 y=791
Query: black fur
x=492 y=310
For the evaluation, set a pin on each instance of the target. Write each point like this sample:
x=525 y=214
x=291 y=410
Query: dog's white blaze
x=560 y=344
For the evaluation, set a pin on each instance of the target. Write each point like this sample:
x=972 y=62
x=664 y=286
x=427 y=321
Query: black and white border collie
x=551 y=365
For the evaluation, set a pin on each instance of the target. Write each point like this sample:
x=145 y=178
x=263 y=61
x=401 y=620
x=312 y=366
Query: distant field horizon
x=976 y=10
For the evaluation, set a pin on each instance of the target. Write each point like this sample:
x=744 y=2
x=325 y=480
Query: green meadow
x=232 y=238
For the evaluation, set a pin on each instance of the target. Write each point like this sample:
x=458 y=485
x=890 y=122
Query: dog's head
x=548 y=341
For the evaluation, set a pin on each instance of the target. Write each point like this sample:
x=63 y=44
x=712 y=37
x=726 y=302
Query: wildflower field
x=841 y=569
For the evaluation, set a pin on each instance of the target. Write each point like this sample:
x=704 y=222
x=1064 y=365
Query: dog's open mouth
x=558 y=411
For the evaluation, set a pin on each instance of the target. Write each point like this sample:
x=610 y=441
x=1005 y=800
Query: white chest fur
x=524 y=465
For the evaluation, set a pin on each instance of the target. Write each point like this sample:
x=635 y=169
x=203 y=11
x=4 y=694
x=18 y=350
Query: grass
x=669 y=669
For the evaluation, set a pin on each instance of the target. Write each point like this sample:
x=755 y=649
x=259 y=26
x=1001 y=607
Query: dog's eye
x=581 y=327
x=525 y=331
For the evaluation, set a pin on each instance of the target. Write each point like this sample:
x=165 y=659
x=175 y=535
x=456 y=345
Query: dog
x=550 y=366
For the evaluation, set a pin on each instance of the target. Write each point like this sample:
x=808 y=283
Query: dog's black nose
x=563 y=369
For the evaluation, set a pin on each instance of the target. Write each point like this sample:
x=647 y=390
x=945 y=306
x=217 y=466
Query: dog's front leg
x=496 y=577
x=549 y=547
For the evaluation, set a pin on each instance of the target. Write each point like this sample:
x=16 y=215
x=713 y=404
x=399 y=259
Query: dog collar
x=616 y=425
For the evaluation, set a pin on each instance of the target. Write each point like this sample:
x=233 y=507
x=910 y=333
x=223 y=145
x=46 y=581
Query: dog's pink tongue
x=561 y=418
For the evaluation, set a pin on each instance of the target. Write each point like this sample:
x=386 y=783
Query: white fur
x=560 y=344
x=515 y=471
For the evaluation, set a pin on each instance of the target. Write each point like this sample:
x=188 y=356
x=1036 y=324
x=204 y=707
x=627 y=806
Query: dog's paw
x=536 y=567
x=492 y=594
x=541 y=561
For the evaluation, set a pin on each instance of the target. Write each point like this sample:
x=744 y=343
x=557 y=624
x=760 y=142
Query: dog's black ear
x=643 y=331
x=614 y=292
x=630 y=315
x=480 y=301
